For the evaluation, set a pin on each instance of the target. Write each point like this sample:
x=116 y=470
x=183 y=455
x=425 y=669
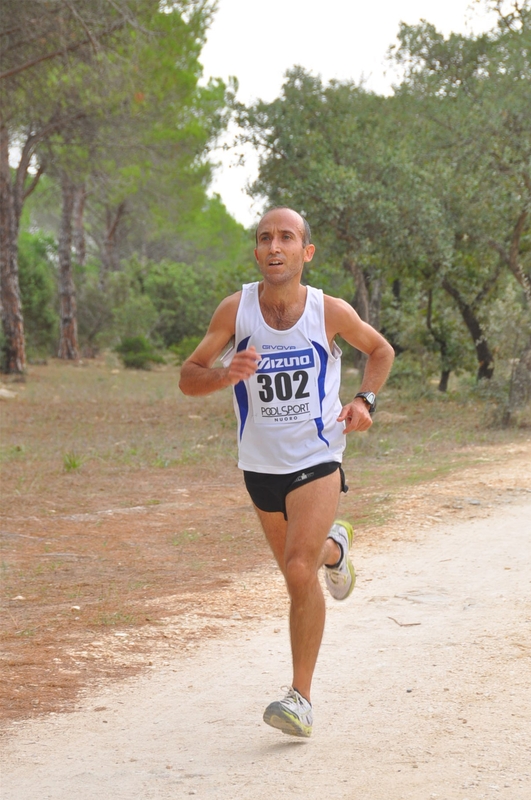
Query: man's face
x=280 y=252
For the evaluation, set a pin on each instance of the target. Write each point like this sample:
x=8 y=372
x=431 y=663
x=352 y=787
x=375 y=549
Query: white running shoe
x=292 y=715
x=340 y=580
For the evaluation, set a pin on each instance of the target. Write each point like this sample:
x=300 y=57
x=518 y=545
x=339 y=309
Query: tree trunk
x=78 y=233
x=360 y=303
x=484 y=356
x=441 y=343
x=520 y=386
x=375 y=302
x=110 y=261
x=511 y=256
x=367 y=301
x=443 y=383
x=68 y=346
x=397 y=289
x=12 y=320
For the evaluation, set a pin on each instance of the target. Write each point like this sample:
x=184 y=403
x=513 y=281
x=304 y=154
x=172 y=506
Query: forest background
x=420 y=201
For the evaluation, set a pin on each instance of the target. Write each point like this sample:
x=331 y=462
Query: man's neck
x=282 y=306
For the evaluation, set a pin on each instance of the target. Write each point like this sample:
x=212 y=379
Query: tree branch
x=119 y=213
x=511 y=258
x=487 y=286
x=78 y=16
x=75 y=46
x=499 y=249
x=33 y=185
x=517 y=235
x=27 y=151
x=35 y=61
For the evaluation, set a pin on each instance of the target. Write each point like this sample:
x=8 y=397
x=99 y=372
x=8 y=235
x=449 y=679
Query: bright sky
x=344 y=39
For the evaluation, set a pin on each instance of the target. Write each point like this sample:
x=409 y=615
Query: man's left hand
x=356 y=416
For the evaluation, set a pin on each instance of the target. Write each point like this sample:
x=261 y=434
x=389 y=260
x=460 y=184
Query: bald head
x=300 y=222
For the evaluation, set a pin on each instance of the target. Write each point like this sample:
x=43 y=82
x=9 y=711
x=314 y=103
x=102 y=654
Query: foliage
x=428 y=189
x=106 y=98
x=137 y=352
x=95 y=311
x=332 y=152
x=473 y=95
x=38 y=289
x=183 y=349
x=144 y=156
x=328 y=150
x=184 y=298
x=508 y=323
x=161 y=298
x=419 y=202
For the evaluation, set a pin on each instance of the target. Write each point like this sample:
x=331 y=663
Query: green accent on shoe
x=292 y=715
x=340 y=580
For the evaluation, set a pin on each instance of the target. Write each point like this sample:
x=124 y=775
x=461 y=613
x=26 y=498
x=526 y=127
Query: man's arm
x=342 y=320
x=198 y=374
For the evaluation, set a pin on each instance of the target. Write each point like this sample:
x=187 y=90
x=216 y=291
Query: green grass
x=27 y=632
x=115 y=618
x=72 y=461
x=185 y=537
x=73 y=417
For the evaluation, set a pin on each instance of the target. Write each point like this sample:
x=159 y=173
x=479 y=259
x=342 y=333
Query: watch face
x=371 y=397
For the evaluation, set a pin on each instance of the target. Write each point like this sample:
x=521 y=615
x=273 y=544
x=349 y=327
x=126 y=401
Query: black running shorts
x=268 y=492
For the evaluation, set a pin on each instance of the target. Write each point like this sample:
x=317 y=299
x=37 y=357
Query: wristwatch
x=370 y=400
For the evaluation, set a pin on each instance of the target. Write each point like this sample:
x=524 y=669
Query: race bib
x=285 y=388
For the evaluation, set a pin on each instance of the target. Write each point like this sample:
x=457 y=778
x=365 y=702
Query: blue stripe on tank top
x=240 y=392
x=323 y=357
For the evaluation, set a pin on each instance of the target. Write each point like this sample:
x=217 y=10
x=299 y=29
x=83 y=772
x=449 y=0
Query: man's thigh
x=268 y=492
x=311 y=511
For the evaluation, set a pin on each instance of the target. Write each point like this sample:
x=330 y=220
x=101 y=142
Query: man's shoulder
x=231 y=301
x=339 y=316
x=225 y=313
x=335 y=304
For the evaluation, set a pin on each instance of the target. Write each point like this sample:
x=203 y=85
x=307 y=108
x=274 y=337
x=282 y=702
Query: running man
x=284 y=367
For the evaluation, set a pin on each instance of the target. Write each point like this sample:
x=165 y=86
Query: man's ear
x=309 y=250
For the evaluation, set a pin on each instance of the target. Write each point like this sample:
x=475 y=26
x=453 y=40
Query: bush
x=137 y=352
x=184 y=348
x=184 y=297
x=38 y=292
x=94 y=312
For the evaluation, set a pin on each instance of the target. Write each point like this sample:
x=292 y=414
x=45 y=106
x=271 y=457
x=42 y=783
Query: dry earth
x=139 y=585
x=422 y=690
x=99 y=596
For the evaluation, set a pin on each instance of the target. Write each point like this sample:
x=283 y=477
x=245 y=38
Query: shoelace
x=289 y=692
x=300 y=703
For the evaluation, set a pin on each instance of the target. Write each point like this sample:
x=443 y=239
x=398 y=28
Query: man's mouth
x=275 y=263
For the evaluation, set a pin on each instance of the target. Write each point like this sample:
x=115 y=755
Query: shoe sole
x=287 y=724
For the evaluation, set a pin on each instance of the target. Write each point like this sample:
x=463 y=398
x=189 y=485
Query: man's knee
x=300 y=574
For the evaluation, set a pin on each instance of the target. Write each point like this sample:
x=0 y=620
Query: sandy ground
x=422 y=691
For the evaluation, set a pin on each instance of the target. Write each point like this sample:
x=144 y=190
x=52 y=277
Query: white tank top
x=287 y=411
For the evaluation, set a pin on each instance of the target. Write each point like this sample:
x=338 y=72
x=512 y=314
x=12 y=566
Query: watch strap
x=370 y=400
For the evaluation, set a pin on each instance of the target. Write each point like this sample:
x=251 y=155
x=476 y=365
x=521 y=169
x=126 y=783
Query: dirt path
x=422 y=691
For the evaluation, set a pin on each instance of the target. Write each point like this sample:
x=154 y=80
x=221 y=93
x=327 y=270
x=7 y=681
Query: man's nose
x=274 y=245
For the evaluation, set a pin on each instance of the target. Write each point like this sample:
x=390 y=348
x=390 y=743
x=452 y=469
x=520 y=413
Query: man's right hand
x=243 y=365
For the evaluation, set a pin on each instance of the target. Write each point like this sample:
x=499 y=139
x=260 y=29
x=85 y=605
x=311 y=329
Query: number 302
x=283 y=386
